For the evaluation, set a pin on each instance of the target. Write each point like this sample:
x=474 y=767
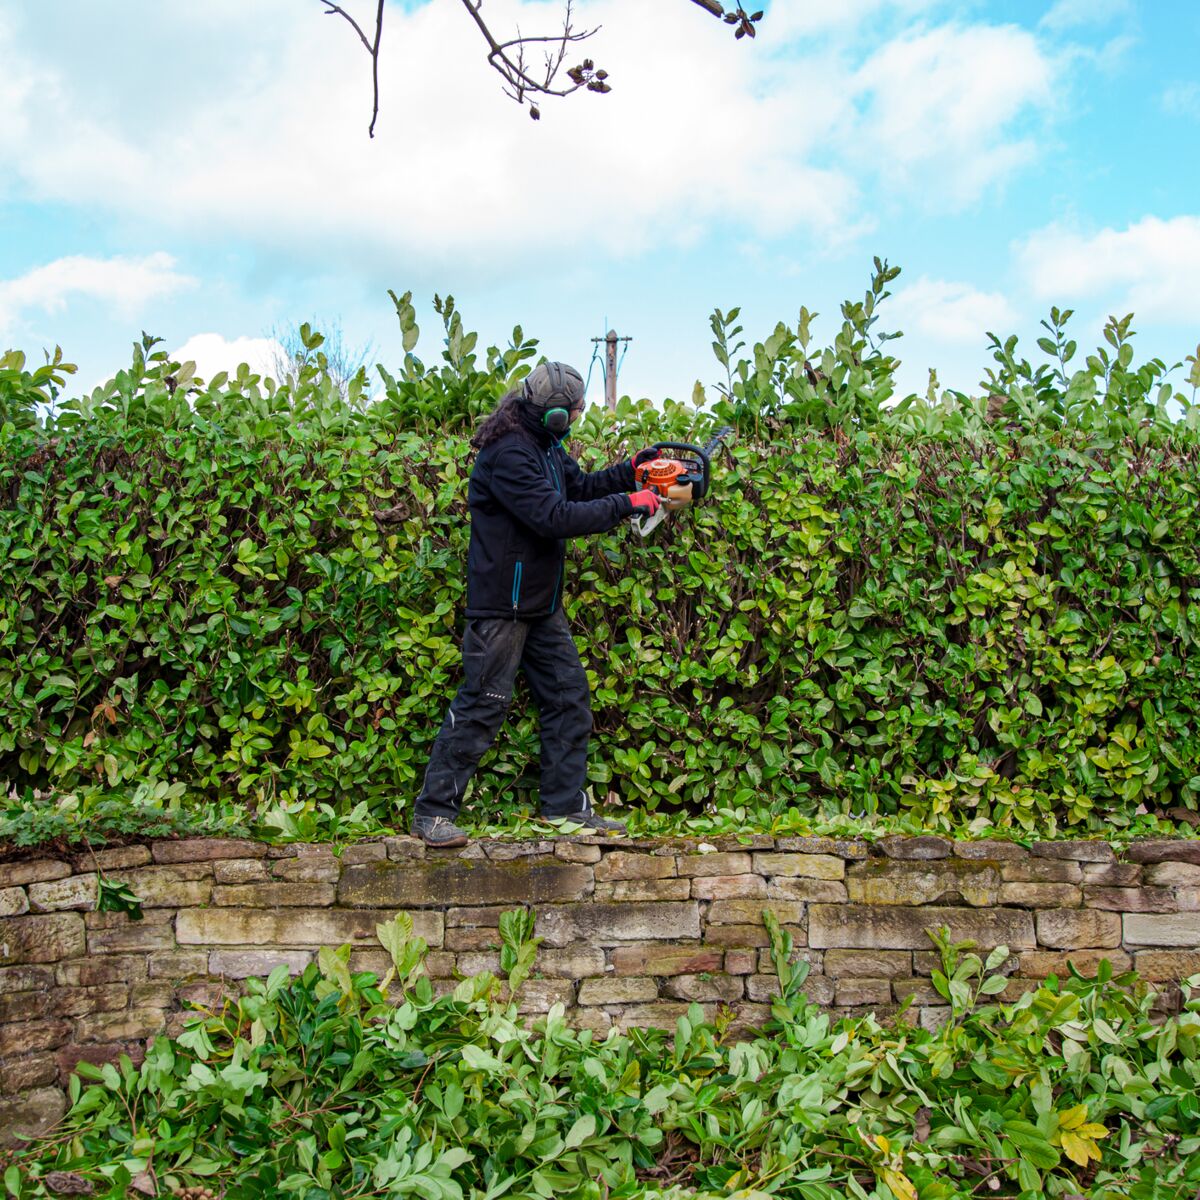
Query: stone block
x=1037 y=964
x=575 y=852
x=25 y=1071
x=154 y=993
x=643 y=889
x=274 y=895
x=71 y=892
x=115 y=858
x=873 y=964
x=740 y=962
x=1044 y=870
x=1130 y=899
x=365 y=852
x=571 y=962
x=803 y=866
x=472 y=938
x=704 y=989
x=206 y=850
x=728 y=887
x=1180 y=930
x=242 y=964
x=129 y=1025
x=476 y=962
x=80 y=1001
x=1079 y=851
x=847 y=848
x=178 y=964
x=427 y=883
x=1173 y=874
x=628 y=989
x=742 y=936
x=610 y=924
x=661 y=1015
x=114 y=938
x=241 y=870
x=71 y=1055
x=1076 y=929
x=404 y=847
x=498 y=851
x=13 y=902
x=178 y=886
x=991 y=850
x=863 y=927
x=541 y=995
x=749 y=912
x=889 y=881
x=734 y=862
x=665 y=960
x=296 y=927
x=593 y=1020
x=919 y=992
x=764 y=988
x=1153 y=850
x=814 y=891
x=28 y=1037
x=99 y=969
x=620 y=864
x=1114 y=874
x=861 y=993
x=30 y=1114
x=814 y=958
x=1041 y=895
x=934 y=1018
x=24 y=1006
x=1160 y=966
x=41 y=938
x=923 y=848
x=34 y=870
x=25 y=979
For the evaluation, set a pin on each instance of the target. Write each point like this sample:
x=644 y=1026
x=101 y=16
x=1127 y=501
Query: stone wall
x=633 y=931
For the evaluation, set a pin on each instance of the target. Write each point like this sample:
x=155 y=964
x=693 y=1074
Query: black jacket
x=527 y=495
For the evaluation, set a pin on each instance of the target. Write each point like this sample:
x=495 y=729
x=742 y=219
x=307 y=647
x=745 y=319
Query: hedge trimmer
x=678 y=481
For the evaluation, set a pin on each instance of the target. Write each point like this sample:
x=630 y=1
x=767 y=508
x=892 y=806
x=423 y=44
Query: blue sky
x=202 y=171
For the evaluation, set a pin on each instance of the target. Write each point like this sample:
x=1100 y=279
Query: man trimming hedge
x=526 y=496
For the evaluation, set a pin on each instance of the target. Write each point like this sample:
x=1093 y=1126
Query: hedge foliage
x=244 y=599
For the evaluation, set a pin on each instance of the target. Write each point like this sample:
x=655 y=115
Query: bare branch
x=507 y=57
x=332 y=10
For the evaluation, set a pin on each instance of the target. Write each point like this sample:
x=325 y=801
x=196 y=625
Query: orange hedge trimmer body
x=678 y=481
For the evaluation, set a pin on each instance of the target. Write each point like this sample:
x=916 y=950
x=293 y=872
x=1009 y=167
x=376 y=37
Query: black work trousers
x=493 y=651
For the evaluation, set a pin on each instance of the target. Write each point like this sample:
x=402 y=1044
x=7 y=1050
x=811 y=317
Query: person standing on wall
x=526 y=496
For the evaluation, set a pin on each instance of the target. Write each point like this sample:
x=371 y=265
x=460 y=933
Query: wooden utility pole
x=610 y=341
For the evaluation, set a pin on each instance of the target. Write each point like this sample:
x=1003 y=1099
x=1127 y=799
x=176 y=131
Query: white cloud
x=1071 y=14
x=942 y=103
x=125 y=284
x=213 y=353
x=1149 y=268
x=269 y=145
x=1182 y=99
x=950 y=313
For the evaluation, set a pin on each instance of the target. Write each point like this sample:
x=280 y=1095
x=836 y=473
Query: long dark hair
x=504 y=418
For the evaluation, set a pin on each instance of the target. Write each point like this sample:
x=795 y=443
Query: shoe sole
x=450 y=844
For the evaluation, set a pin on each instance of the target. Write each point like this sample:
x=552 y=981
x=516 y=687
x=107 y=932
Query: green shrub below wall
x=243 y=601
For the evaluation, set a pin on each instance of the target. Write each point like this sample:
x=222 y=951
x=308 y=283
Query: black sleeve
x=518 y=483
x=582 y=485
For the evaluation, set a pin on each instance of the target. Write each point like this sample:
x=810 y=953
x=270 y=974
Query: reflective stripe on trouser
x=493 y=651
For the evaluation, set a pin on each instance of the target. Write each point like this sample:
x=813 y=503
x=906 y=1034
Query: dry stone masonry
x=633 y=931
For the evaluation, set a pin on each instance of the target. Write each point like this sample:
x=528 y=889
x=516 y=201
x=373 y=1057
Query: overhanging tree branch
x=508 y=57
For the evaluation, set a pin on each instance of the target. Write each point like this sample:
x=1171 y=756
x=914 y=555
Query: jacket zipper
x=516 y=588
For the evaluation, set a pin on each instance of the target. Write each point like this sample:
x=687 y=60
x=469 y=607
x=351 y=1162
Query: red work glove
x=645 y=503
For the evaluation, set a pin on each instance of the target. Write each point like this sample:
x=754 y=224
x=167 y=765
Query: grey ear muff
x=557 y=420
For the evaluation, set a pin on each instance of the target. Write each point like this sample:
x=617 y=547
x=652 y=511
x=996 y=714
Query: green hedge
x=967 y=610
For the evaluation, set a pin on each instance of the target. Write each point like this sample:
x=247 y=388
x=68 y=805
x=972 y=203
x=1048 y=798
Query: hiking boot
x=439 y=832
x=592 y=821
